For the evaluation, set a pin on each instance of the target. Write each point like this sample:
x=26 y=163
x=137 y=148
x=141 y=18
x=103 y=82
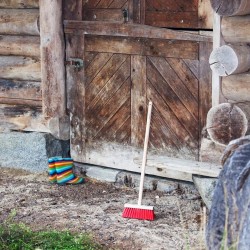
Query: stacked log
x=20 y=67
x=231 y=61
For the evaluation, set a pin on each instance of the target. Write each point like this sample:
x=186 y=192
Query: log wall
x=230 y=63
x=20 y=67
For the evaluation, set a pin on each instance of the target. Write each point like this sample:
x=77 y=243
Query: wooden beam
x=128 y=158
x=22 y=117
x=236 y=29
x=20 y=68
x=20 y=46
x=52 y=58
x=230 y=59
x=231 y=7
x=131 y=30
x=216 y=79
x=205 y=84
x=19 y=22
x=21 y=102
x=138 y=100
x=19 y=4
x=72 y=9
x=236 y=88
x=76 y=91
x=141 y=46
x=13 y=89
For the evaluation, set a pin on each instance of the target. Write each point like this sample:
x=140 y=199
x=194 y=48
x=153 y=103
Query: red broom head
x=138 y=212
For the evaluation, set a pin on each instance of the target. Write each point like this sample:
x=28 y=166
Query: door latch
x=75 y=62
x=125 y=15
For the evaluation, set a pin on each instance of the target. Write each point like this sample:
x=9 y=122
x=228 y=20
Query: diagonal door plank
x=186 y=76
x=104 y=75
x=176 y=84
x=172 y=100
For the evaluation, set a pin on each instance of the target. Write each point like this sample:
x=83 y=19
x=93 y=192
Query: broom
x=140 y=211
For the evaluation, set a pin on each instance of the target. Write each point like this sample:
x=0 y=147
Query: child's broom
x=139 y=211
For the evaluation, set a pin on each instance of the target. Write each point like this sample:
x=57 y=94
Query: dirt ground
x=96 y=208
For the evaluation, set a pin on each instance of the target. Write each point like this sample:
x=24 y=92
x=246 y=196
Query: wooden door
x=125 y=66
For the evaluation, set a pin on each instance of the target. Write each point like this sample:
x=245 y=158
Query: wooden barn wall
x=180 y=14
x=20 y=68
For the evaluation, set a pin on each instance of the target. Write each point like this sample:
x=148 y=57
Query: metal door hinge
x=75 y=62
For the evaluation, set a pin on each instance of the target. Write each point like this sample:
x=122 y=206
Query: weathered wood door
x=125 y=66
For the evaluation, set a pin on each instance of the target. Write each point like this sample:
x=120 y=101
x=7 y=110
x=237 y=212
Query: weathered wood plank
x=76 y=98
x=110 y=88
x=12 y=22
x=20 y=90
x=138 y=100
x=185 y=74
x=20 y=45
x=25 y=102
x=141 y=46
x=22 y=117
x=129 y=30
x=236 y=87
x=72 y=9
x=97 y=64
x=172 y=5
x=20 y=68
x=52 y=58
x=186 y=142
x=103 y=15
x=117 y=128
x=22 y=4
x=172 y=19
x=205 y=84
x=176 y=85
x=124 y=157
x=109 y=69
x=107 y=111
x=236 y=29
x=118 y=4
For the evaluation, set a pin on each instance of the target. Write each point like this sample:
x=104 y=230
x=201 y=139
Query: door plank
x=76 y=97
x=104 y=75
x=109 y=131
x=142 y=46
x=176 y=84
x=97 y=64
x=113 y=85
x=130 y=30
x=172 y=121
x=138 y=100
x=172 y=19
x=193 y=65
x=173 y=101
x=97 y=120
x=118 y=4
x=186 y=76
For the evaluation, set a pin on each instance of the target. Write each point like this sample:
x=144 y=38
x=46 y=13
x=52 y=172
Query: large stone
x=229 y=219
x=130 y=179
x=30 y=150
x=206 y=187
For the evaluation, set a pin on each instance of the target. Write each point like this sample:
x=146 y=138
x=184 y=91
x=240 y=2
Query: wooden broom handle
x=144 y=159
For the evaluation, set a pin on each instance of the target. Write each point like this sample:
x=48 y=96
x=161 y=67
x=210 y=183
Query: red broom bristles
x=138 y=213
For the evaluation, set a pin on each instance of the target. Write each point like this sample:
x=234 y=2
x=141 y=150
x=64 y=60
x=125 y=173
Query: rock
x=30 y=150
x=205 y=187
x=229 y=219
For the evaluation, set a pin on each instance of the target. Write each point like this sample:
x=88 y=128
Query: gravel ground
x=96 y=208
